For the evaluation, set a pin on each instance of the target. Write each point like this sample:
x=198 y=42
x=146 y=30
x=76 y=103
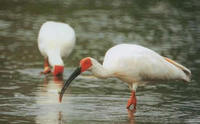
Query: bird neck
x=99 y=71
x=54 y=58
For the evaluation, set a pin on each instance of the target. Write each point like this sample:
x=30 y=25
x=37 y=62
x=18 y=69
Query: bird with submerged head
x=55 y=40
x=132 y=64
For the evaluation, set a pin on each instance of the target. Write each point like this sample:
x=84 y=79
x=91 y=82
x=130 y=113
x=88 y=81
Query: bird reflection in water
x=50 y=110
x=131 y=116
x=55 y=113
x=52 y=86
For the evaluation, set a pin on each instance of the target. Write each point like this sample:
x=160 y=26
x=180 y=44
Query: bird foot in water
x=132 y=101
x=46 y=70
x=131 y=105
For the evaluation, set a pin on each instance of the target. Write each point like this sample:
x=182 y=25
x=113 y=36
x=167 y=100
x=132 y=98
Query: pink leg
x=132 y=100
x=47 y=68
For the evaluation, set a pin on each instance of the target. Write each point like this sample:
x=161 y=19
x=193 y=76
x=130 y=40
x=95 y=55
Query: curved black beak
x=69 y=80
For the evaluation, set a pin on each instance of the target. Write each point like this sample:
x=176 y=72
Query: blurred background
x=169 y=27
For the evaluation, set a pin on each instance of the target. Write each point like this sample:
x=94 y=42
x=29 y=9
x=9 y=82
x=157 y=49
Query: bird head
x=58 y=70
x=85 y=64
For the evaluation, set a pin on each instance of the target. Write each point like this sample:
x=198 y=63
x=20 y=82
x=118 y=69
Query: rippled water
x=169 y=27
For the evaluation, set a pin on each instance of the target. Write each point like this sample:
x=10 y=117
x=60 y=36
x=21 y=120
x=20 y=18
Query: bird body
x=56 y=40
x=135 y=63
x=132 y=64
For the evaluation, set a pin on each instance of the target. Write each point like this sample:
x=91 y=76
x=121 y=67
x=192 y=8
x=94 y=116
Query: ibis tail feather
x=184 y=69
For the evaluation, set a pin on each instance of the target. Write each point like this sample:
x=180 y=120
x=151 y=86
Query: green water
x=169 y=27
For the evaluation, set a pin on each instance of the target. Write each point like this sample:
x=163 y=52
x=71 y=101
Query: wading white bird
x=55 y=40
x=132 y=64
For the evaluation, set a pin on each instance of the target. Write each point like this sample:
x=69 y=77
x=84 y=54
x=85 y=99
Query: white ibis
x=132 y=64
x=55 y=40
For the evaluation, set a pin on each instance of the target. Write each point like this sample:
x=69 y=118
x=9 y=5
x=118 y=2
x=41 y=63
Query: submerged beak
x=69 y=80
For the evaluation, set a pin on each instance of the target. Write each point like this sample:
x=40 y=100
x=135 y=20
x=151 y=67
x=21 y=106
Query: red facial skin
x=85 y=64
x=58 y=70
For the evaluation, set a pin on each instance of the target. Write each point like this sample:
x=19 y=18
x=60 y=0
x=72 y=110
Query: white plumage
x=136 y=63
x=56 y=40
x=132 y=64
